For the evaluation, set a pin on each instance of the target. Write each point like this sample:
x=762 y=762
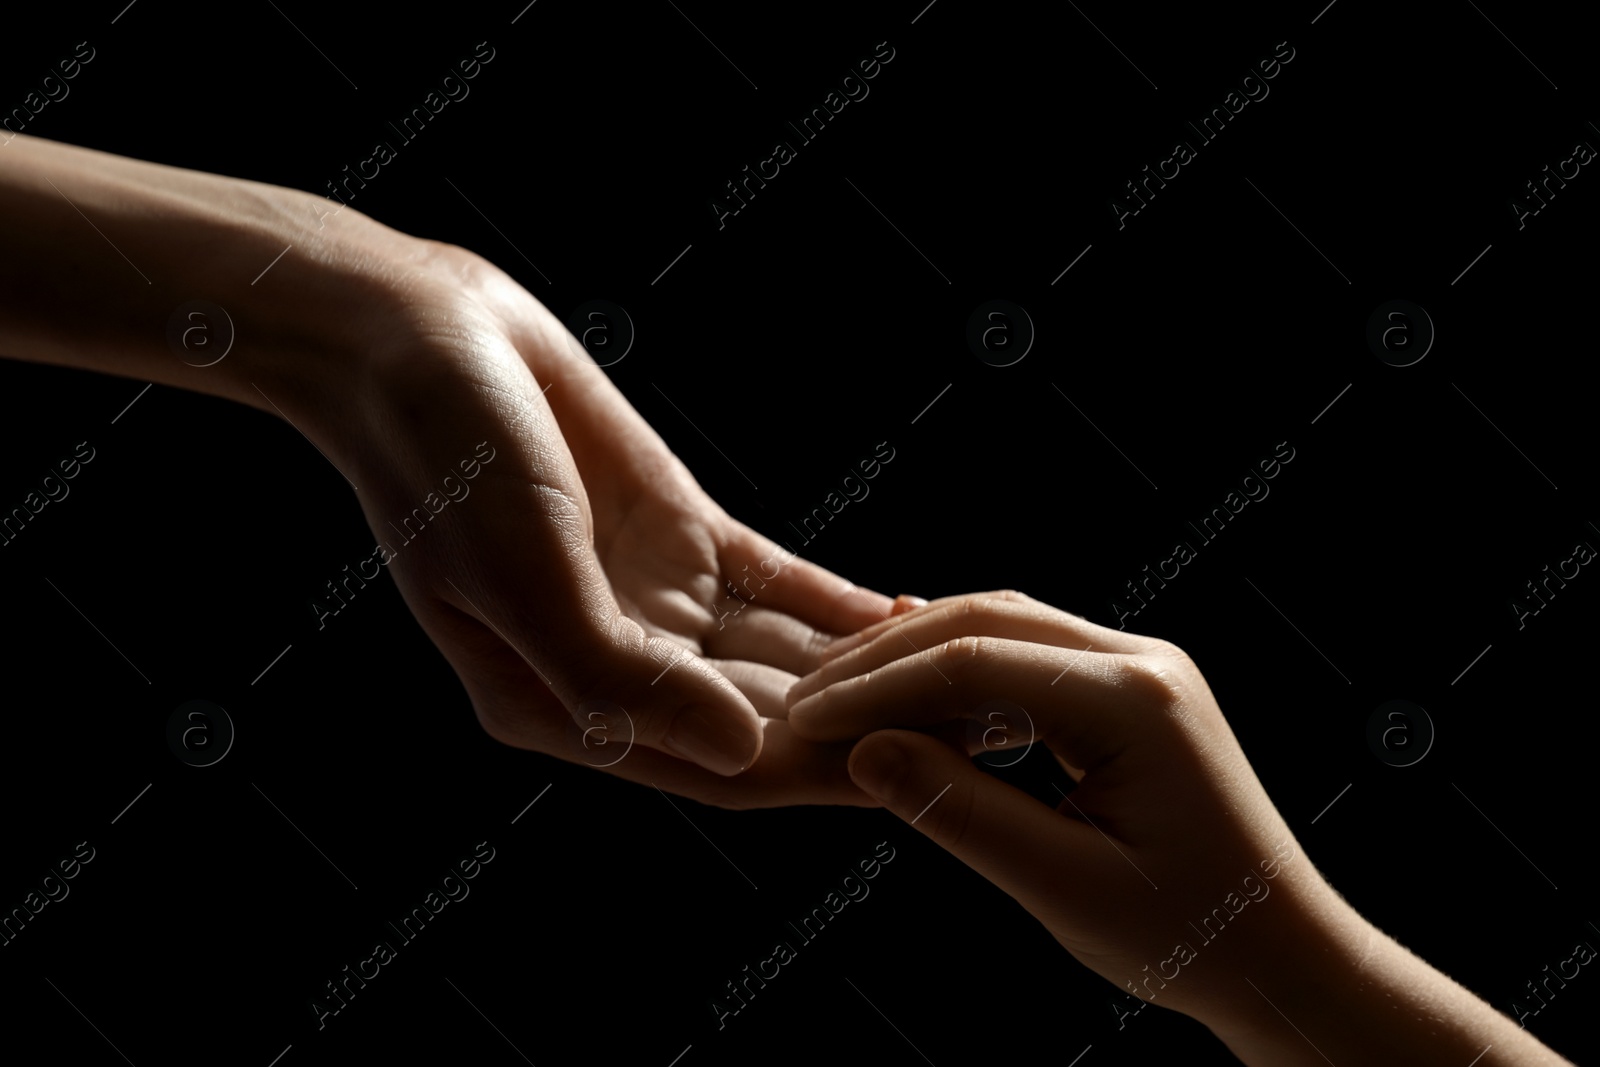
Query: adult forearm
x=98 y=253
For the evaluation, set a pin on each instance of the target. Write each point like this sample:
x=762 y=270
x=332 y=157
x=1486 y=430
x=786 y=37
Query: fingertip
x=880 y=762
x=898 y=606
x=802 y=715
x=906 y=602
x=714 y=739
x=865 y=604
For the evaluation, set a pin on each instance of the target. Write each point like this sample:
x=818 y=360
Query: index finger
x=779 y=579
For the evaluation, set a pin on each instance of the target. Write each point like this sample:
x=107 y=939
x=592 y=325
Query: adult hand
x=564 y=561
x=581 y=592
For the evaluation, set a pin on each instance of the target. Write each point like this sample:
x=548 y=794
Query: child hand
x=1167 y=869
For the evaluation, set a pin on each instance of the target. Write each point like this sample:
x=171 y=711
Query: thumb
x=548 y=602
x=1023 y=847
x=632 y=688
x=675 y=701
x=515 y=552
x=612 y=680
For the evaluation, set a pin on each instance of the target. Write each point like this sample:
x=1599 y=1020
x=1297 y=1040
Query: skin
x=1167 y=823
x=587 y=573
x=580 y=590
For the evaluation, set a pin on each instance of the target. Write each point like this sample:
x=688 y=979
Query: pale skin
x=1168 y=822
x=586 y=572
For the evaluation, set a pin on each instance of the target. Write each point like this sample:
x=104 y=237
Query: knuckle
x=456 y=262
x=1152 y=679
x=814 y=645
x=991 y=609
x=1182 y=665
x=958 y=653
x=1161 y=647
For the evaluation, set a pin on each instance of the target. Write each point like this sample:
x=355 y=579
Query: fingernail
x=712 y=739
x=899 y=606
x=906 y=602
x=878 y=765
x=866 y=599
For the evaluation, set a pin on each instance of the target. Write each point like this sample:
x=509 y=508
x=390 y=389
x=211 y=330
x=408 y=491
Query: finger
x=597 y=657
x=1072 y=631
x=1086 y=703
x=516 y=553
x=516 y=709
x=1014 y=841
x=1007 y=615
x=763 y=570
x=906 y=602
x=790 y=771
x=763 y=635
x=766 y=687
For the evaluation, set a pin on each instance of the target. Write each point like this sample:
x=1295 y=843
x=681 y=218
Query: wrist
x=1340 y=989
x=108 y=258
x=1301 y=969
x=311 y=301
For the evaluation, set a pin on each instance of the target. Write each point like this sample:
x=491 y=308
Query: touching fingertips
x=899 y=606
x=906 y=602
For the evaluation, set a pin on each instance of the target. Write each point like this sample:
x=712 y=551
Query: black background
x=797 y=337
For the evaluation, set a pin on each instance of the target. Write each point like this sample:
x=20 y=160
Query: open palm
x=582 y=590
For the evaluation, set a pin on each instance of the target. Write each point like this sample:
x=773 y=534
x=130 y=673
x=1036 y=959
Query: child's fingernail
x=902 y=604
x=906 y=602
